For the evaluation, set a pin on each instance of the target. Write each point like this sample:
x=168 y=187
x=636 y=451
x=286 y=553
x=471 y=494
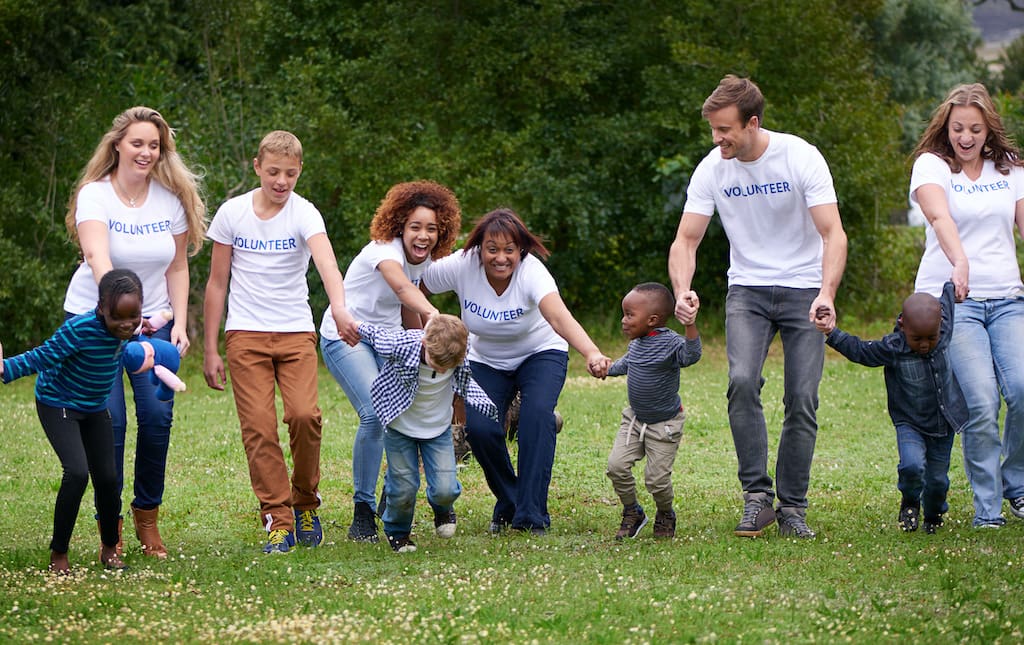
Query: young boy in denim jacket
x=652 y=423
x=412 y=395
x=925 y=402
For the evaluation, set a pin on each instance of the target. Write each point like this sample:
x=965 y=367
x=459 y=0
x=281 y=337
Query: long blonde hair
x=999 y=148
x=169 y=170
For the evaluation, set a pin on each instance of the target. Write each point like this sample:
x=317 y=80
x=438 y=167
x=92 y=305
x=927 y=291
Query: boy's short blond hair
x=445 y=339
x=280 y=142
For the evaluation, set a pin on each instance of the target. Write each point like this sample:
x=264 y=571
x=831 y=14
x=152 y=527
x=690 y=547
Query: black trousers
x=84 y=443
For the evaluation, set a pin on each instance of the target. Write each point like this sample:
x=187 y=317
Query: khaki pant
x=659 y=442
x=256 y=361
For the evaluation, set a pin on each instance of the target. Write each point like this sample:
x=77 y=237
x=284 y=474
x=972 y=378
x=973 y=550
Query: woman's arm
x=95 y=243
x=408 y=293
x=177 y=290
x=553 y=308
x=932 y=200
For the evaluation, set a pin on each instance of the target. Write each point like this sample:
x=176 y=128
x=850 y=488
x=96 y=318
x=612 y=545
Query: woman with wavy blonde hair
x=968 y=179
x=137 y=206
x=416 y=222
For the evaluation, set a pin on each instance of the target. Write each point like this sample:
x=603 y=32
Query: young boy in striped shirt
x=652 y=423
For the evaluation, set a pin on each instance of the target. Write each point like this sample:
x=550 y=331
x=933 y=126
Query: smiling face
x=278 y=174
x=124 y=317
x=138 y=151
x=967 y=134
x=500 y=256
x=419 y=234
x=736 y=139
x=638 y=317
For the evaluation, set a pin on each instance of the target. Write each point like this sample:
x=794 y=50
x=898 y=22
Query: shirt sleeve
x=442 y=275
x=700 y=193
x=929 y=169
x=90 y=205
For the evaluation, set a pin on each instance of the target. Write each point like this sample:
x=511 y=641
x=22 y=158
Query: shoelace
x=278 y=536
x=798 y=524
x=750 y=512
x=306 y=521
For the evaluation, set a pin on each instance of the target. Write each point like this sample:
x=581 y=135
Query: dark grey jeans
x=753 y=315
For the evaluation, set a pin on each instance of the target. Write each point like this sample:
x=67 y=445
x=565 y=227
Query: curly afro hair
x=402 y=199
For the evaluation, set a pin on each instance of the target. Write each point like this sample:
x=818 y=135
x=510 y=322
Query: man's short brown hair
x=741 y=92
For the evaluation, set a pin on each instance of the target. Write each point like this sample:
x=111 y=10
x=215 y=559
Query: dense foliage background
x=583 y=116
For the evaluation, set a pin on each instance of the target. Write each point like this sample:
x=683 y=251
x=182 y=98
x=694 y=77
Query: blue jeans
x=753 y=315
x=355 y=368
x=154 y=419
x=988 y=360
x=402 y=477
x=521 y=501
x=924 y=469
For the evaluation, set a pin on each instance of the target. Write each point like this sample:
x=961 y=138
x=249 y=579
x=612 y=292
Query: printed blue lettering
x=770 y=188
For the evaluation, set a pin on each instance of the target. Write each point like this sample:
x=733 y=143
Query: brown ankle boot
x=148 y=533
x=120 y=540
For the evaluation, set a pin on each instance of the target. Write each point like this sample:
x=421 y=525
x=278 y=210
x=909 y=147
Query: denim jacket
x=923 y=392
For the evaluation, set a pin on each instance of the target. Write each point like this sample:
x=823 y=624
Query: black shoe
x=401 y=544
x=364 y=524
x=497 y=526
x=909 y=514
x=758 y=515
x=1017 y=507
x=444 y=523
x=792 y=523
x=932 y=524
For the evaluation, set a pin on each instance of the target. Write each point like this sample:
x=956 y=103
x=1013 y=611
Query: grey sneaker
x=758 y=514
x=793 y=524
x=633 y=519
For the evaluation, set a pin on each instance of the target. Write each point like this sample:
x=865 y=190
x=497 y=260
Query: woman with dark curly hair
x=520 y=333
x=416 y=222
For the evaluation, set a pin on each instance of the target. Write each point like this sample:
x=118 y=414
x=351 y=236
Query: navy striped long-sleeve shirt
x=76 y=366
x=651 y=366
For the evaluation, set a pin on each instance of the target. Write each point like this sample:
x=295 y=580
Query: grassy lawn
x=861 y=580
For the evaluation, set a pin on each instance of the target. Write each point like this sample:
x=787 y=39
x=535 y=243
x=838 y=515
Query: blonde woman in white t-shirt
x=968 y=179
x=137 y=206
x=520 y=332
x=415 y=223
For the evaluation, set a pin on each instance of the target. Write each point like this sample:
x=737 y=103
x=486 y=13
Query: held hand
x=821 y=318
x=179 y=338
x=213 y=370
x=822 y=314
x=598 y=364
x=687 y=304
x=348 y=328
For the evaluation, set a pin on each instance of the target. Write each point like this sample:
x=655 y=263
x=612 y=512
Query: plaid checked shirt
x=395 y=388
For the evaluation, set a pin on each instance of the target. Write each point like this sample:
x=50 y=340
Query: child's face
x=419 y=235
x=278 y=175
x=124 y=317
x=637 y=318
x=922 y=335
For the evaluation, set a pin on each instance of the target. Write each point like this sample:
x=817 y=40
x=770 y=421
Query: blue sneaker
x=279 y=541
x=307 y=528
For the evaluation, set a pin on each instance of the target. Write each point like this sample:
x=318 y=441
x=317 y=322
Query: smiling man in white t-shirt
x=774 y=195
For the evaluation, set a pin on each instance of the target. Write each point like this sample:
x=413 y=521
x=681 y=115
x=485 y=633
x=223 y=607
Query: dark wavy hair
x=504 y=222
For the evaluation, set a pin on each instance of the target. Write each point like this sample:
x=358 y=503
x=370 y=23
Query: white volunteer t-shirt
x=431 y=411
x=984 y=212
x=764 y=206
x=269 y=260
x=504 y=330
x=368 y=296
x=141 y=239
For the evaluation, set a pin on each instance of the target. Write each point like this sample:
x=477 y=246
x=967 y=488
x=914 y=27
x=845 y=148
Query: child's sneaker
x=307 y=528
x=279 y=541
x=909 y=513
x=665 y=524
x=401 y=544
x=932 y=524
x=444 y=523
x=633 y=519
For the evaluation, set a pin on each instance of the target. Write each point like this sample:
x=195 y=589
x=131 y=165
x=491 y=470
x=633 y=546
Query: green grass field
x=861 y=580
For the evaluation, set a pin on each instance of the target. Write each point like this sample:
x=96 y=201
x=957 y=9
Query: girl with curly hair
x=417 y=222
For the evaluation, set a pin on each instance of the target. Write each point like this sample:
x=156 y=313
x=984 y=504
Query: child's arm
x=334 y=285
x=619 y=366
x=54 y=351
x=870 y=353
x=690 y=348
x=213 y=313
x=472 y=394
x=947 y=301
x=382 y=341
